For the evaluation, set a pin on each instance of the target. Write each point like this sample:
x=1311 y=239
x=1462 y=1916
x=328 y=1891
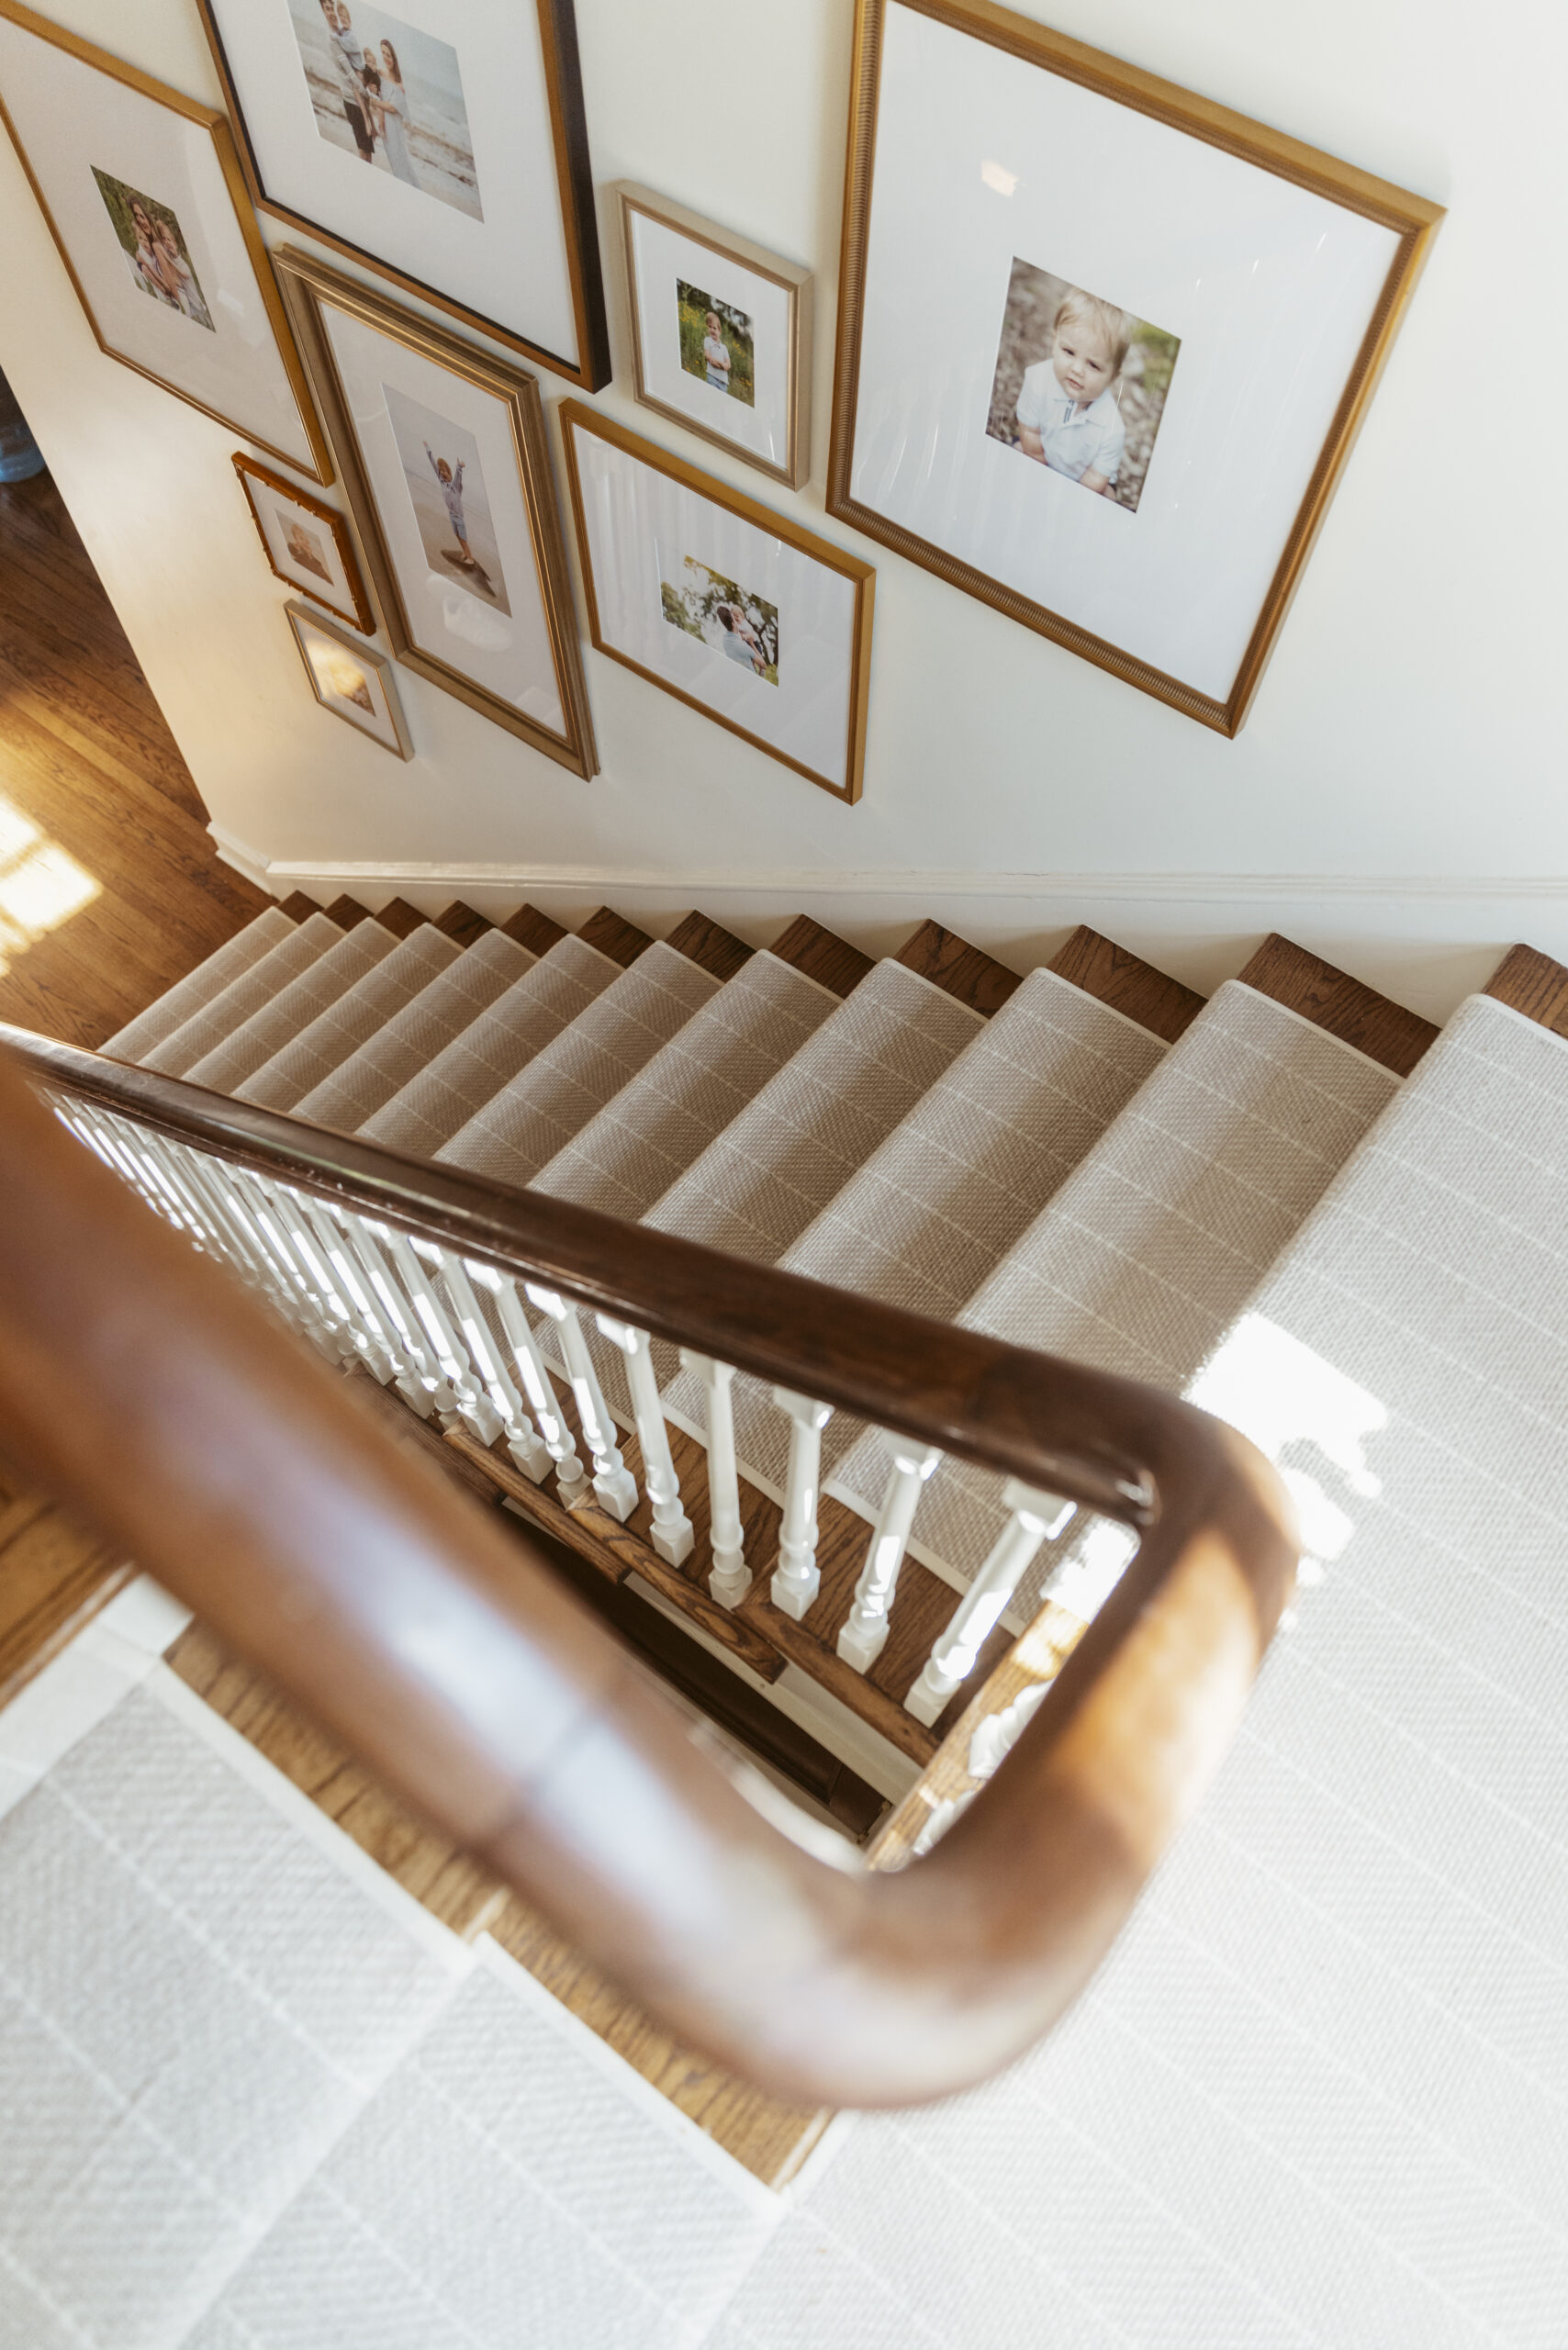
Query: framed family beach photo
x=443 y=456
x=306 y=542
x=721 y=333
x=147 y=203
x=445 y=149
x=737 y=611
x=354 y=681
x=1103 y=346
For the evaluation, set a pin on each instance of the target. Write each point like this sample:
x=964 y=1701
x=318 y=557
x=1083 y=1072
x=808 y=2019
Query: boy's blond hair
x=1087 y=309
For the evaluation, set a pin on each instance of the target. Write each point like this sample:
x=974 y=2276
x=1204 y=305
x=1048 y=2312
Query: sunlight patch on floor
x=42 y=884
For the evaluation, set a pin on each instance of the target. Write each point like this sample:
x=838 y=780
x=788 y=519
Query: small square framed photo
x=736 y=610
x=307 y=543
x=721 y=333
x=351 y=679
x=142 y=191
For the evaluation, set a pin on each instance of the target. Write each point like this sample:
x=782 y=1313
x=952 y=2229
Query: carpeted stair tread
x=213 y=1022
x=532 y=1117
x=413 y=1037
x=1532 y=983
x=957 y=1184
x=823 y=956
x=439 y=1102
x=1126 y=983
x=1332 y=1000
x=1145 y=1254
x=199 y=988
x=358 y=1016
x=643 y=1139
x=294 y=1008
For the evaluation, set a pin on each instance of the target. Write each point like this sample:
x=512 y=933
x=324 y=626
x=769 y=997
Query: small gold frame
x=1412 y=218
x=576 y=417
x=209 y=119
x=368 y=658
x=309 y=286
x=794 y=282
x=360 y=616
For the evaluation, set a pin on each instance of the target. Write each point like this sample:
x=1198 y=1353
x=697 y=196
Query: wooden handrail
x=140 y=1383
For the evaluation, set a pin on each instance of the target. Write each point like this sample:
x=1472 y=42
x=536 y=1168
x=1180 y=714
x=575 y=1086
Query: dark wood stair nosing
x=1534 y=984
x=707 y=944
x=821 y=954
x=1114 y=976
x=614 y=936
x=1340 y=1005
x=967 y=973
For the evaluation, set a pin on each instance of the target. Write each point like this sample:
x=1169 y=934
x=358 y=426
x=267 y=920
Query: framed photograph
x=721 y=333
x=759 y=624
x=443 y=455
x=445 y=148
x=307 y=543
x=351 y=679
x=1102 y=347
x=142 y=191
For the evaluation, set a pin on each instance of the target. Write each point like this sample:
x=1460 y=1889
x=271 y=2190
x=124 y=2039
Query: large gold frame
x=573 y=415
x=308 y=285
x=574 y=182
x=1412 y=218
x=208 y=118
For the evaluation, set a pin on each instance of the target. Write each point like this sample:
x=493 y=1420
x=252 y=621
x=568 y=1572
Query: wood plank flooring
x=89 y=768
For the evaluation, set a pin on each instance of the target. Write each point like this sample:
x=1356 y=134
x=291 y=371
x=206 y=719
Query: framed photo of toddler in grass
x=721 y=333
x=1103 y=346
x=443 y=456
x=737 y=610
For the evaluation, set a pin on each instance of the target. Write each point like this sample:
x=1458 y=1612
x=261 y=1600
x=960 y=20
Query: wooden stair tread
x=950 y=963
x=346 y=912
x=1340 y=1005
x=55 y=1574
x=713 y=948
x=460 y=923
x=528 y=927
x=768 y=2138
x=1115 y=977
x=299 y=907
x=622 y=941
x=821 y=954
x=399 y=917
x=1530 y=982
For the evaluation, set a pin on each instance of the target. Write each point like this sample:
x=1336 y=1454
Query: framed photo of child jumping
x=1103 y=346
x=443 y=457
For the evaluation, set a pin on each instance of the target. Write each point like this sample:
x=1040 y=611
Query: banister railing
x=145 y=1387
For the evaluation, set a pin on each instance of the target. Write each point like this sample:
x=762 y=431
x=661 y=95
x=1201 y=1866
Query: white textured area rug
x=253 y=2098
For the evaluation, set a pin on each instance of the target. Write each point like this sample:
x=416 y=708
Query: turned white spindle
x=420 y=1381
x=1035 y=1516
x=571 y=1477
x=731 y=1578
x=865 y=1633
x=265 y=1215
x=672 y=1536
x=614 y=1486
x=797 y=1578
x=474 y=1408
x=523 y=1441
x=374 y=1339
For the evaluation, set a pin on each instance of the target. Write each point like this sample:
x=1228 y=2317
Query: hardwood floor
x=110 y=887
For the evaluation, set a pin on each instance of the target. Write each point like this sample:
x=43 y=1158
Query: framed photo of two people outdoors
x=1103 y=345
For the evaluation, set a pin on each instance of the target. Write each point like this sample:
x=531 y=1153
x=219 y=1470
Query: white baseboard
x=1426 y=939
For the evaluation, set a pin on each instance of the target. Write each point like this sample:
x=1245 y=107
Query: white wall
x=1397 y=797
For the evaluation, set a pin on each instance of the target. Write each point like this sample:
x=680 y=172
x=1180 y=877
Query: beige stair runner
x=414 y=1037
x=176 y=1054
x=360 y=1013
x=199 y=988
x=247 y=1048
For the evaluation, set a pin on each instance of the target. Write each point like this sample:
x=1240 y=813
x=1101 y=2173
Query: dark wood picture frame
x=216 y=125
x=575 y=418
x=361 y=616
x=574 y=180
x=1413 y=219
x=309 y=284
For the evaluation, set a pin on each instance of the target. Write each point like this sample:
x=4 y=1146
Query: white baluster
x=672 y=1534
x=1035 y=1516
x=522 y=1438
x=731 y=1578
x=419 y=1382
x=375 y=1344
x=571 y=1477
x=473 y=1407
x=797 y=1579
x=613 y=1483
x=865 y=1633
x=262 y=1209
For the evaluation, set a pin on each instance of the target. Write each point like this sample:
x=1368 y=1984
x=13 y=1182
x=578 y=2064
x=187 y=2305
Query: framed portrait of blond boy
x=1103 y=346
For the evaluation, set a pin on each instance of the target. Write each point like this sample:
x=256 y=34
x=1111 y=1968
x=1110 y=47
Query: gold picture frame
x=573 y=189
x=608 y=571
x=1399 y=226
x=314 y=457
x=785 y=425
x=253 y=475
x=349 y=674
x=322 y=303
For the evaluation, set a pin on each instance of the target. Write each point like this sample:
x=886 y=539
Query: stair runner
x=1337 y=2010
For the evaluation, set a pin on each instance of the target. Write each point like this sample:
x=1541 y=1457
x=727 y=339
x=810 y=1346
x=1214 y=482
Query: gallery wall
x=1397 y=799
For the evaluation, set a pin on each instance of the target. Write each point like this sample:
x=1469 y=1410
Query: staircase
x=1296 y=1205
